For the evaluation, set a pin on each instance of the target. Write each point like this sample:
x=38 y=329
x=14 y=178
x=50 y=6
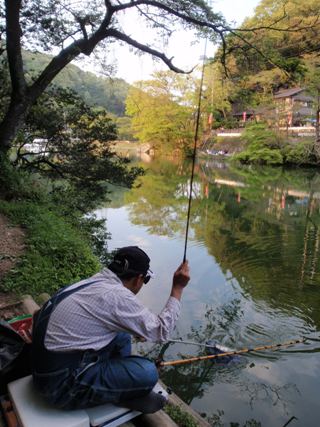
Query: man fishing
x=81 y=351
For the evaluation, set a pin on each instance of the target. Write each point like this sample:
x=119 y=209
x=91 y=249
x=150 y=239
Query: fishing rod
x=230 y=353
x=194 y=152
x=193 y=343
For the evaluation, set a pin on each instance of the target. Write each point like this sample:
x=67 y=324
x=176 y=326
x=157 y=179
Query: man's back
x=91 y=317
x=85 y=318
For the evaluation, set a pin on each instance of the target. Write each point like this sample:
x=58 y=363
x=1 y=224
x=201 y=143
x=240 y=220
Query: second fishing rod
x=223 y=354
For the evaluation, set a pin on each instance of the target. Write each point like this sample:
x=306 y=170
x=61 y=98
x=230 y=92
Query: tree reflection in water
x=261 y=226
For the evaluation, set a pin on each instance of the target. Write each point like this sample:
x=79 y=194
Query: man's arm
x=180 y=280
x=132 y=316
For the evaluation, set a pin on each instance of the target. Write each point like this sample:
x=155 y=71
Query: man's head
x=131 y=265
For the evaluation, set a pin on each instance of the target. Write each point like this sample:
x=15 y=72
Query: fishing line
x=194 y=152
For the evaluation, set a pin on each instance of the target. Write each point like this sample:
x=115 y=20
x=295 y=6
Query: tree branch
x=171 y=11
x=291 y=29
x=154 y=20
x=84 y=45
x=258 y=51
x=144 y=48
x=37 y=163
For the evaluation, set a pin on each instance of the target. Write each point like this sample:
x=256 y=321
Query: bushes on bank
x=300 y=153
x=261 y=155
x=264 y=146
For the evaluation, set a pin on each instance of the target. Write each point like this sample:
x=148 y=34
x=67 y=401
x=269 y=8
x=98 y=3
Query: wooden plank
x=9 y=414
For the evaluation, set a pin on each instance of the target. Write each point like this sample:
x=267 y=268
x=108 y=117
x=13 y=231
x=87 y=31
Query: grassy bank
x=61 y=245
x=57 y=253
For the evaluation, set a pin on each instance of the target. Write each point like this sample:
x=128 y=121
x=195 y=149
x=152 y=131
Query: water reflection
x=266 y=223
x=254 y=250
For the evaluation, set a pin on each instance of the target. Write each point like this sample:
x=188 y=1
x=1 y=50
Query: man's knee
x=150 y=373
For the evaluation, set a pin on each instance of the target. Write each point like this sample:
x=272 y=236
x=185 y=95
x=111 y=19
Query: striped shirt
x=91 y=317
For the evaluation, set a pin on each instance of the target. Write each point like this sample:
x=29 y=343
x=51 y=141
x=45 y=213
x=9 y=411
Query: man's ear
x=134 y=284
x=139 y=278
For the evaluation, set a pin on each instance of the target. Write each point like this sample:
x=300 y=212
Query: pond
x=253 y=249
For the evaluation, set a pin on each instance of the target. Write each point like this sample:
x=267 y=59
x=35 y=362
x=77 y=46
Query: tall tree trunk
x=11 y=124
x=317 y=141
x=15 y=114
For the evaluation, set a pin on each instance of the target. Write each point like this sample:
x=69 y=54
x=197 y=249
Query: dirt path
x=11 y=245
x=11 y=248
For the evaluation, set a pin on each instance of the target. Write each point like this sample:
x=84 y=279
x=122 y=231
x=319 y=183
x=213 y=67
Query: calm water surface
x=254 y=258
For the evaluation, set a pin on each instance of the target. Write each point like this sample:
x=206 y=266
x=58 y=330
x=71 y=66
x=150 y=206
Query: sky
x=186 y=54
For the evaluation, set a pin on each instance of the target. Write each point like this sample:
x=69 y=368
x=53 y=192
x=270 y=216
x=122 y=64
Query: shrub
x=259 y=135
x=17 y=184
x=300 y=153
x=263 y=156
x=262 y=146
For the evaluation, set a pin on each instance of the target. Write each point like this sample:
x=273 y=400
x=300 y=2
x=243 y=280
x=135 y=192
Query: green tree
x=270 y=51
x=74 y=30
x=162 y=111
x=286 y=31
x=76 y=148
x=218 y=93
x=124 y=128
x=262 y=146
x=313 y=83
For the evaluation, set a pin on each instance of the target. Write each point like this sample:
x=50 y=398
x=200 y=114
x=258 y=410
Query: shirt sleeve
x=132 y=316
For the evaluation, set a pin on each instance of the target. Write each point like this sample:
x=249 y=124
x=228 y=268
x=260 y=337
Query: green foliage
x=301 y=152
x=218 y=93
x=283 y=49
x=262 y=146
x=62 y=245
x=78 y=146
x=94 y=90
x=162 y=112
x=281 y=52
x=260 y=134
x=15 y=183
x=263 y=155
x=124 y=128
x=73 y=30
x=57 y=253
x=179 y=416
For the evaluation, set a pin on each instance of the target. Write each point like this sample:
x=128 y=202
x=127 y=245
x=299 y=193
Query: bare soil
x=12 y=246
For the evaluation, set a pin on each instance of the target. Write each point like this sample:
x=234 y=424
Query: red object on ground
x=23 y=327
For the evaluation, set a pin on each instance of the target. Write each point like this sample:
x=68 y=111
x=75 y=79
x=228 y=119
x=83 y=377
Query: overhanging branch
x=189 y=19
x=144 y=48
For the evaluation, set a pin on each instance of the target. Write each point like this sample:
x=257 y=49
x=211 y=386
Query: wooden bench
x=33 y=411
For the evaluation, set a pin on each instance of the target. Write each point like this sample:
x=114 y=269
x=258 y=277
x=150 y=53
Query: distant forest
x=109 y=93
